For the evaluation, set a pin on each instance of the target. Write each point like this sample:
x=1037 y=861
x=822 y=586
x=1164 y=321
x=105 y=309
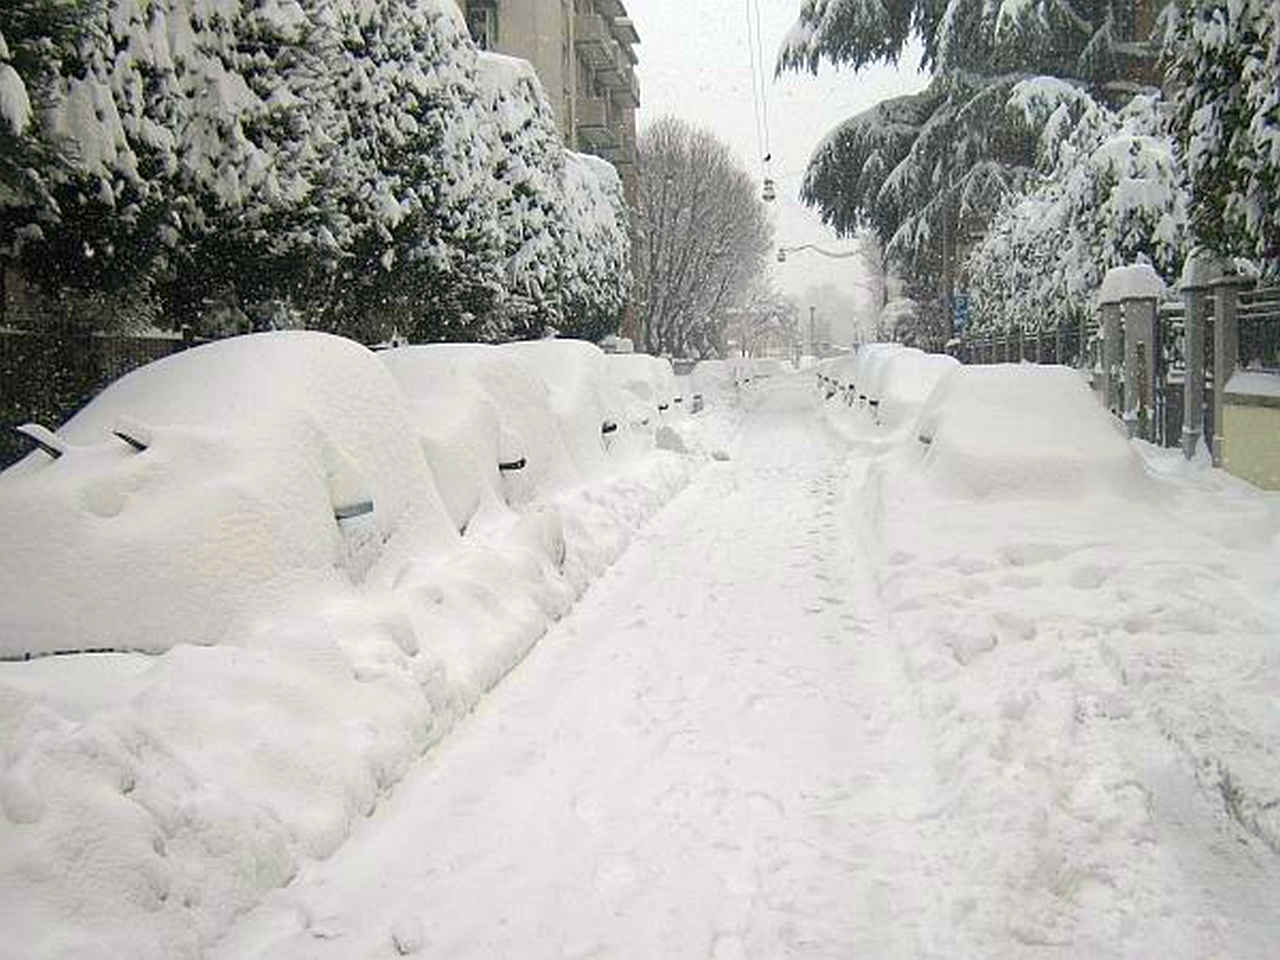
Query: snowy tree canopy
x=925 y=171
x=592 y=272
x=527 y=164
x=1224 y=60
x=1090 y=39
x=1109 y=193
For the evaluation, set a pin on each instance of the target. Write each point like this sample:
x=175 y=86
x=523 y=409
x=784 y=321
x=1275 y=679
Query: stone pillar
x=1139 y=365
x=1111 y=355
x=1197 y=276
x=1226 y=349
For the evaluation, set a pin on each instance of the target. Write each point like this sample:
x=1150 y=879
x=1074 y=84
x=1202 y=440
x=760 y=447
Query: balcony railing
x=624 y=30
x=594 y=41
x=615 y=73
x=628 y=92
x=624 y=153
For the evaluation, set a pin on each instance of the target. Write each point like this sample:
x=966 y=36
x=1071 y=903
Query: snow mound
x=1019 y=430
x=712 y=378
x=277 y=466
x=583 y=395
x=752 y=367
x=484 y=421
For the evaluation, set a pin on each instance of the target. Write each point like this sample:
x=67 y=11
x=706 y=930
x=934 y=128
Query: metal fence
x=46 y=377
x=1060 y=344
x=1238 y=318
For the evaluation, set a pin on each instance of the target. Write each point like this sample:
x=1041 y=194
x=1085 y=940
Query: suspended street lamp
x=834 y=255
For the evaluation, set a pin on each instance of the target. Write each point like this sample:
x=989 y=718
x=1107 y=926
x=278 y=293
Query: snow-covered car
x=484 y=420
x=584 y=398
x=649 y=380
x=270 y=466
x=1021 y=430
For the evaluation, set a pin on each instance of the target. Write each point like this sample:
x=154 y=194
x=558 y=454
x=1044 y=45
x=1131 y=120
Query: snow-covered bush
x=15 y=102
x=594 y=273
x=528 y=167
x=428 y=253
x=1224 y=60
x=340 y=156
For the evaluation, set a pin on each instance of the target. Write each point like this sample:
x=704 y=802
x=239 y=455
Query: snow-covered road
x=722 y=752
x=714 y=755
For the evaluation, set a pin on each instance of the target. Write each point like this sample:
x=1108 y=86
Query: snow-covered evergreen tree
x=15 y=121
x=62 y=154
x=427 y=256
x=1224 y=60
x=926 y=170
x=1109 y=194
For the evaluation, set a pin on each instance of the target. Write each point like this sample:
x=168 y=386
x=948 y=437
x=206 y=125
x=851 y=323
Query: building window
x=482 y=21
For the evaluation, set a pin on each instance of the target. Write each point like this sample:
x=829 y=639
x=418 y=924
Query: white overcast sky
x=695 y=63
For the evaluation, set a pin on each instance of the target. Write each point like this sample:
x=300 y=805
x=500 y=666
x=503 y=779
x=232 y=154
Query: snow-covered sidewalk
x=716 y=754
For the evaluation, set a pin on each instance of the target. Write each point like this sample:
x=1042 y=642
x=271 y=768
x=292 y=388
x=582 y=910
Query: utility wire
x=764 y=86
x=752 y=49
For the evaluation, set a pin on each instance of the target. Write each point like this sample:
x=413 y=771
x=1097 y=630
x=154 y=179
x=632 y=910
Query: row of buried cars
x=224 y=474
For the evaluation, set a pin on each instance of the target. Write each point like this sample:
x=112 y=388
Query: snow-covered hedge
x=356 y=159
x=594 y=273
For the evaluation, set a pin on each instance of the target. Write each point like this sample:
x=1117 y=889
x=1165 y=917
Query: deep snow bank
x=145 y=801
x=1090 y=625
